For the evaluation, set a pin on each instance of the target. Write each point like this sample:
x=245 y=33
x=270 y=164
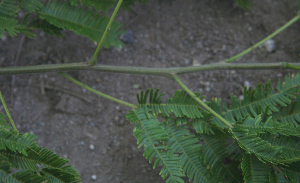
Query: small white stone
x=187 y=61
x=247 y=84
x=92 y=147
x=270 y=45
x=94 y=177
x=196 y=63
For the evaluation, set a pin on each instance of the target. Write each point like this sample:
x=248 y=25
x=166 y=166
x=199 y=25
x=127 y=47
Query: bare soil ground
x=68 y=119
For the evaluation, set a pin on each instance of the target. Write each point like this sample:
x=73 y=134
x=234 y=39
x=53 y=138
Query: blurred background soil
x=92 y=132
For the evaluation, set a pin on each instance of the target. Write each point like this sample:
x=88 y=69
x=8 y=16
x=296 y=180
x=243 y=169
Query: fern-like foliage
x=256 y=101
x=104 y=5
x=187 y=145
x=150 y=134
x=35 y=164
x=30 y=5
x=11 y=140
x=82 y=21
x=8 y=25
x=8 y=9
x=181 y=104
x=254 y=169
x=214 y=154
x=245 y=4
x=27 y=27
x=262 y=146
x=75 y=15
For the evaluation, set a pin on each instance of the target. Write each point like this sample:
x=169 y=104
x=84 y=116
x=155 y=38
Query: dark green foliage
x=82 y=21
x=104 y=5
x=245 y=4
x=30 y=5
x=27 y=27
x=8 y=25
x=150 y=134
x=36 y=164
x=61 y=174
x=60 y=15
x=262 y=146
x=255 y=170
x=187 y=145
x=181 y=104
x=8 y=9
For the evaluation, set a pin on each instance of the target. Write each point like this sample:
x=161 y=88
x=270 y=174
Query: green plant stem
x=97 y=92
x=291 y=66
x=264 y=40
x=93 y=60
x=166 y=72
x=176 y=78
x=7 y=112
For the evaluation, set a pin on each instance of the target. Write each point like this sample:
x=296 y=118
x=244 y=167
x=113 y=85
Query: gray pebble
x=247 y=84
x=94 y=177
x=92 y=147
x=270 y=45
x=128 y=37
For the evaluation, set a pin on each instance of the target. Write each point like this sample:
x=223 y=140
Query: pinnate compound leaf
x=8 y=9
x=12 y=141
x=5 y=169
x=9 y=25
x=35 y=156
x=60 y=175
x=150 y=134
x=292 y=172
x=258 y=126
x=187 y=145
x=256 y=101
x=81 y=21
x=290 y=148
x=252 y=143
x=30 y=5
x=245 y=4
x=254 y=170
x=278 y=178
x=202 y=125
x=26 y=176
x=28 y=26
x=181 y=104
x=4 y=123
x=289 y=114
x=104 y=5
x=214 y=154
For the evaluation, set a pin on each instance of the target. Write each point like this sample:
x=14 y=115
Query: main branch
x=166 y=72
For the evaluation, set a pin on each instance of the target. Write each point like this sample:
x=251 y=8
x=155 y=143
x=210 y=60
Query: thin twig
x=7 y=112
x=2 y=60
x=63 y=91
x=16 y=63
x=36 y=116
x=97 y=92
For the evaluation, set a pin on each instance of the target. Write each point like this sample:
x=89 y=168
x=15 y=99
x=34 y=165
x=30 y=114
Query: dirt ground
x=168 y=33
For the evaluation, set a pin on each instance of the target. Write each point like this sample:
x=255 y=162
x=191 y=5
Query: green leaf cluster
x=262 y=146
x=22 y=160
x=84 y=17
x=245 y=4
